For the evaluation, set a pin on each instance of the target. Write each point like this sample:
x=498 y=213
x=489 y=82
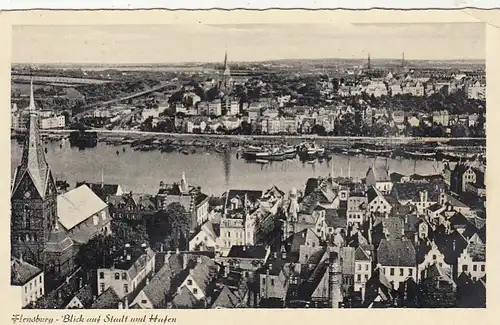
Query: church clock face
x=27 y=195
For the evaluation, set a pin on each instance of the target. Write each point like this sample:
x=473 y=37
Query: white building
x=53 y=122
x=397 y=258
x=27 y=281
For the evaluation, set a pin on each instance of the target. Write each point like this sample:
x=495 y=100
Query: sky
x=175 y=43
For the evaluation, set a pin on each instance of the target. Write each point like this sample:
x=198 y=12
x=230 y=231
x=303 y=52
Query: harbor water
x=215 y=172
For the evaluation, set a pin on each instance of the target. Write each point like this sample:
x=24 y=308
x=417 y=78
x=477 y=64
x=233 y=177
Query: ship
x=419 y=154
x=311 y=149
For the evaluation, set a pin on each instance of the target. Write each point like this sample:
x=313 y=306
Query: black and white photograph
x=257 y=166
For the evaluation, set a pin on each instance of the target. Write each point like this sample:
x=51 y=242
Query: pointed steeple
x=33 y=160
x=32 y=107
x=369 y=62
x=227 y=71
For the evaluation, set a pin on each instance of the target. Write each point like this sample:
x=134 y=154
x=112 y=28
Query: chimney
x=147 y=281
x=80 y=284
x=362 y=293
x=120 y=305
x=161 y=248
x=226 y=271
x=178 y=290
x=125 y=303
x=129 y=257
x=283 y=255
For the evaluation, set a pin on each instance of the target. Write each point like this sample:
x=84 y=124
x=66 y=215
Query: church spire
x=33 y=161
x=32 y=107
x=227 y=71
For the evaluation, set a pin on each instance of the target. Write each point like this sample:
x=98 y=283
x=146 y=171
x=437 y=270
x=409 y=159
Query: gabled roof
x=184 y=299
x=373 y=193
x=76 y=206
x=396 y=252
x=226 y=299
x=158 y=287
x=361 y=255
x=436 y=271
x=84 y=295
x=22 y=272
x=379 y=174
x=107 y=300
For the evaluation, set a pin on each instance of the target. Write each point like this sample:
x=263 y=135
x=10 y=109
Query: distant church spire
x=403 y=61
x=227 y=71
x=33 y=160
x=369 y=62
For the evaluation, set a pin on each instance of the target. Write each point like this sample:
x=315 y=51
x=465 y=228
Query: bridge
x=88 y=108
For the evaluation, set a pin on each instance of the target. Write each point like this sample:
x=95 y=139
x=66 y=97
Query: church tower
x=226 y=82
x=33 y=196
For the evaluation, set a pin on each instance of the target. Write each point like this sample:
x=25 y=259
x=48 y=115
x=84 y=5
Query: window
x=206 y=239
x=359 y=277
x=474 y=268
x=440 y=264
x=392 y=271
x=144 y=301
x=125 y=288
x=366 y=267
x=102 y=287
x=195 y=291
x=31 y=285
x=482 y=268
x=401 y=272
x=124 y=276
x=190 y=282
x=101 y=275
x=359 y=267
x=41 y=291
x=434 y=257
x=464 y=268
x=272 y=282
x=25 y=289
x=117 y=276
x=366 y=277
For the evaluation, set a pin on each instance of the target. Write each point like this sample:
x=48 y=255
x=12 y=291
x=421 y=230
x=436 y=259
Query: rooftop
x=76 y=206
x=22 y=272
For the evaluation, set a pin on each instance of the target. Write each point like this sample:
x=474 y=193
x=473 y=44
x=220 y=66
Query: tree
x=170 y=227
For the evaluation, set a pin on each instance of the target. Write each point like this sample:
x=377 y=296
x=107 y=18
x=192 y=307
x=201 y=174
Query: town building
x=28 y=281
x=127 y=270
